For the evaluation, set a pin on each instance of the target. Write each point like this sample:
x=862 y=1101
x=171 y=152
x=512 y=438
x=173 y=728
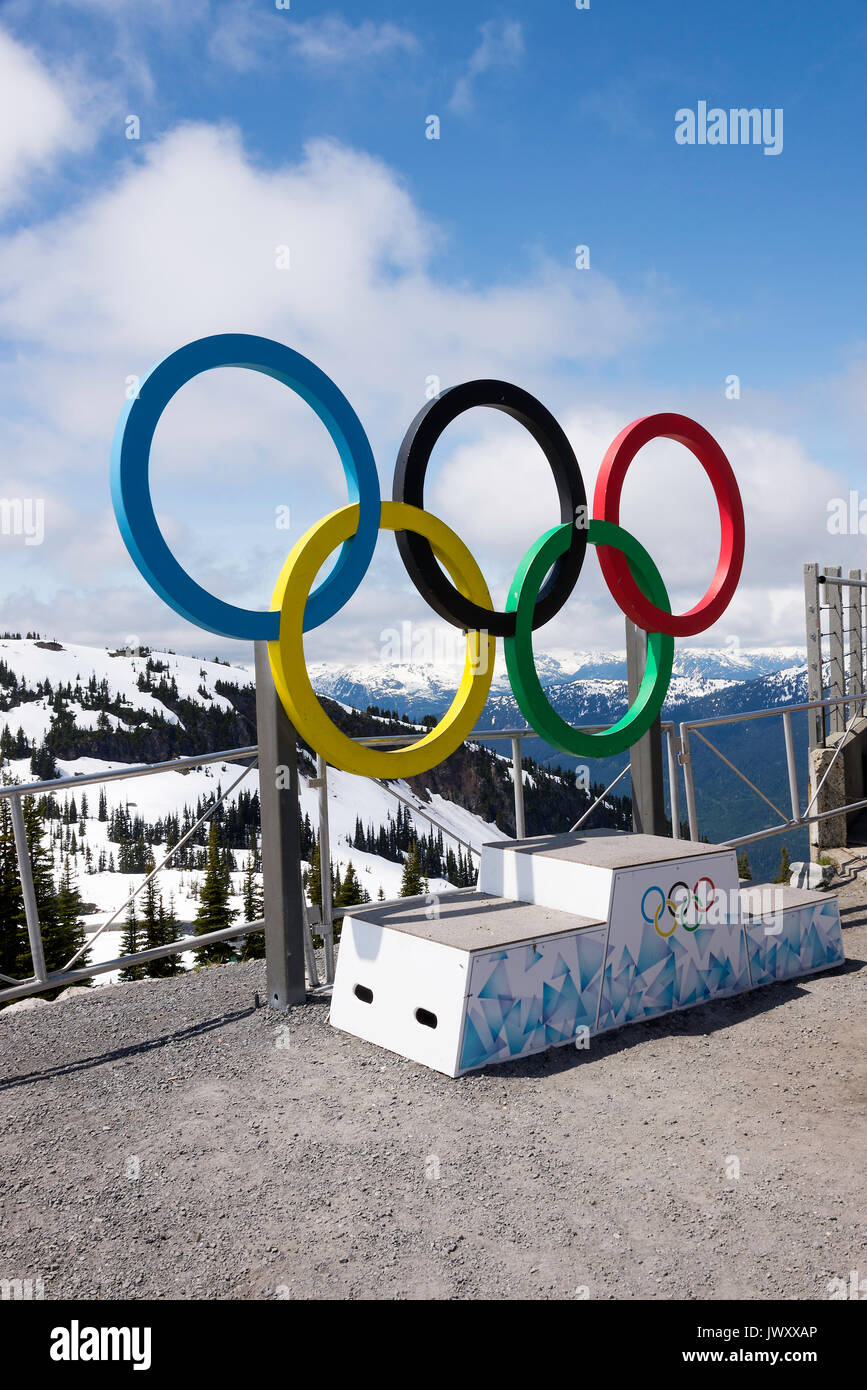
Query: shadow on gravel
x=858 y=913
x=136 y=1050
x=697 y=1021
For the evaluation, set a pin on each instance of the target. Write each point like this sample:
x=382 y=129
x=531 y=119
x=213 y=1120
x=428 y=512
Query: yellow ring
x=664 y=934
x=289 y=668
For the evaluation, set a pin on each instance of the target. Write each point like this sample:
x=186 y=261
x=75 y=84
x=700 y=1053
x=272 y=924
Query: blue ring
x=654 y=888
x=130 y=487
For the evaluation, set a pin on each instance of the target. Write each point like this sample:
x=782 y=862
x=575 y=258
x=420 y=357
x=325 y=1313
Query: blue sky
x=413 y=256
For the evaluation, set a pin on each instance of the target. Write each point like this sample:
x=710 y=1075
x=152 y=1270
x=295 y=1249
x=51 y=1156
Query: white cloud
x=333 y=41
x=120 y=34
x=241 y=35
x=40 y=119
x=501 y=46
x=183 y=244
x=246 y=35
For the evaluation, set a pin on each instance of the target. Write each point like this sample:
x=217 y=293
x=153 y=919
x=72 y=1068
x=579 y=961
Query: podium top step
x=469 y=920
x=609 y=849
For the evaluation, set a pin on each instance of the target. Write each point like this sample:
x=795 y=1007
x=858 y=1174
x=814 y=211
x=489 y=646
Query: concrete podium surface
x=470 y=920
x=606 y=849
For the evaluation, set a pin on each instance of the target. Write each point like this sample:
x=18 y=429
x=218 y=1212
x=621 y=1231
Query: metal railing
x=43 y=979
x=795 y=819
x=515 y=737
x=836 y=632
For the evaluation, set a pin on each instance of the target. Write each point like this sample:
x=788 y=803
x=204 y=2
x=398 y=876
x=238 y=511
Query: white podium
x=565 y=937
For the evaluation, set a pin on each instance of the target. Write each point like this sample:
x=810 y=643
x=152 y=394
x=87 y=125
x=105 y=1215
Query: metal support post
x=281 y=842
x=518 y=779
x=645 y=757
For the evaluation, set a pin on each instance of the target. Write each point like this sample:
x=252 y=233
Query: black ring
x=679 y=884
x=409 y=474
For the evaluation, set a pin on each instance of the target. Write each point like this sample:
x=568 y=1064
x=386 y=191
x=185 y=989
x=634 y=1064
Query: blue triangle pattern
x=497 y=982
x=474 y=1051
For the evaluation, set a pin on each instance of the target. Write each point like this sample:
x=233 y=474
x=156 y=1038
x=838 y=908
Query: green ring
x=531 y=698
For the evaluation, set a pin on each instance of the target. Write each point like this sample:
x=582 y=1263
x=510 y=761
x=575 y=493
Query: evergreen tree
x=412 y=882
x=13 y=937
x=351 y=890
x=252 y=892
x=54 y=934
x=42 y=763
x=131 y=941
x=253 y=945
x=166 y=928
x=744 y=870
x=214 y=911
x=69 y=935
x=784 y=872
x=150 y=911
x=7 y=745
x=314 y=879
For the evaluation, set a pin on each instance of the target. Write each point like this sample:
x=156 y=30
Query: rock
x=73 y=992
x=808 y=875
x=21 y=1006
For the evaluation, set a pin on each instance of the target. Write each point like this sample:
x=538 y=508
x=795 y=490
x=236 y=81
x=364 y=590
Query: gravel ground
x=168 y=1139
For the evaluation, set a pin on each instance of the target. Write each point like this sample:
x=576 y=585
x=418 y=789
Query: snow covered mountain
x=418 y=688
x=89 y=671
x=146 y=690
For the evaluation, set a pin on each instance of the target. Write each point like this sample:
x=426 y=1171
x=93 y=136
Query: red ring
x=606 y=507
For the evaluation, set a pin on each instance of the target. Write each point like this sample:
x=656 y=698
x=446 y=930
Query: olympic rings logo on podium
x=428 y=547
x=678 y=910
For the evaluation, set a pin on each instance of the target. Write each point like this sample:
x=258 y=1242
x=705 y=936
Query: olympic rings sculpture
x=436 y=559
x=678 y=910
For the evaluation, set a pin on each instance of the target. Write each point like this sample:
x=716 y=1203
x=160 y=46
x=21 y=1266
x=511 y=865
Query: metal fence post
x=856 y=640
x=685 y=759
x=671 y=749
x=794 y=795
x=815 y=718
x=836 y=661
x=518 y=779
x=28 y=891
x=645 y=756
x=281 y=842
